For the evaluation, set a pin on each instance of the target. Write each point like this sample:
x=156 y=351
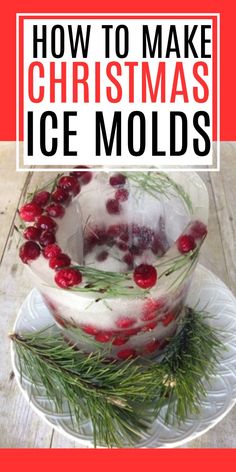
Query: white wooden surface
x=20 y=427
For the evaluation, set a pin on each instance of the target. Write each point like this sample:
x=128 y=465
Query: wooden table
x=20 y=427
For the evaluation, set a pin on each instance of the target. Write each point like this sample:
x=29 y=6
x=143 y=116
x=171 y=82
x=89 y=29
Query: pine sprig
x=156 y=183
x=122 y=398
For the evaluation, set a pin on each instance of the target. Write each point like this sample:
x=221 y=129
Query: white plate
x=206 y=290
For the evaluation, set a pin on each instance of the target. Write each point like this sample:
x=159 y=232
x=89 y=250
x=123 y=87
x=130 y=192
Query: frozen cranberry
x=60 y=320
x=128 y=259
x=145 y=237
x=150 y=326
x=126 y=354
x=89 y=330
x=69 y=183
x=41 y=198
x=152 y=346
x=102 y=337
x=47 y=237
x=133 y=331
x=114 y=230
x=145 y=276
x=55 y=210
x=151 y=309
x=45 y=222
x=117 y=180
x=52 y=250
x=62 y=260
x=65 y=278
x=122 y=195
x=135 y=250
x=125 y=322
x=113 y=207
x=60 y=195
x=102 y=256
x=168 y=318
x=198 y=230
x=29 y=251
x=122 y=246
x=84 y=176
x=119 y=340
x=30 y=211
x=185 y=243
x=32 y=233
x=100 y=235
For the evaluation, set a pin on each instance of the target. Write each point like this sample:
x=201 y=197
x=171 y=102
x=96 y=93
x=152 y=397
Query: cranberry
x=152 y=346
x=128 y=259
x=102 y=256
x=135 y=250
x=47 y=237
x=100 y=235
x=117 y=180
x=185 y=243
x=29 y=251
x=89 y=330
x=62 y=260
x=84 y=176
x=52 y=250
x=113 y=207
x=45 y=222
x=149 y=326
x=151 y=308
x=68 y=277
x=168 y=318
x=122 y=195
x=41 y=198
x=145 y=276
x=125 y=322
x=60 y=195
x=114 y=230
x=55 y=210
x=32 y=233
x=198 y=230
x=119 y=340
x=102 y=337
x=122 y=246
x=133 y=331
x=126 y=354
x=30 y=211
x=69 y=183
x=145 y=237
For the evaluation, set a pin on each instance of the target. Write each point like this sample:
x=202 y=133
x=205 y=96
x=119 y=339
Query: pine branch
x=122 y=398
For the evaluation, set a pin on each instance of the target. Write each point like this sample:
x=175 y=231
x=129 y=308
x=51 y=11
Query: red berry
x=30 y=211
x=114 y=230
x=68 y=277
x=102 y=337
x=145 y=276
x=62 y=260
x=135 y=250
x=151 y=308
x=125 y=322
x=126 y=354
x=152 y=346
x=149 y=326
x=119 y=340
x=89 y=330
x=117 y=180
x=185 y=243
x=32 y=233
x=102 y=256
x=29 y=251
x=122 y=246
x=113 y=207
x=128 y=259
x=60 y=320
x=133 y=331
x=198 y=230
x=122 y=195
x=100 y=235
x=84 y=176
x=41 y=198
x=47 y=237
x=69 y=183
x=45 y=222
x=52 y=250
x=60 y=195
x=168 y=318
x=55 y=210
